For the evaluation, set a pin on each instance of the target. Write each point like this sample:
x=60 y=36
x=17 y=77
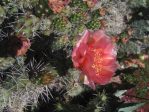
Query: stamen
x=97 y=61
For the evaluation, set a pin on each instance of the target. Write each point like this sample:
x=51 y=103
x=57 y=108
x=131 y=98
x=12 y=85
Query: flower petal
x=104 y=77
x=89 y=82
x=78 y=55
x=100 y=39
x=84 y=38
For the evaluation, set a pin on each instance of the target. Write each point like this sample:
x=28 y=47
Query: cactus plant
x=139 y=3
x=42 y=8
x=5 y=63
x=27 y=25
x=2 y=14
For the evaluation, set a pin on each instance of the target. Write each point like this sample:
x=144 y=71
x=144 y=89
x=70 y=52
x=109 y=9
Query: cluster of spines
x=18 y=84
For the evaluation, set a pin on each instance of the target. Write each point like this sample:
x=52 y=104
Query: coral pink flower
x=18 y=46
x=95 y=56
x=25 y=46
x=57 y=5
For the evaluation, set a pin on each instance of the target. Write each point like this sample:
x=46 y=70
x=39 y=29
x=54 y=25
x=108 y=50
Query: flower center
x=97 y=61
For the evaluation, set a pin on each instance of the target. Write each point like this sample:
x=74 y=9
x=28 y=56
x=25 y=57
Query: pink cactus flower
x=57 y=5
x=25 y=46
x=95 y=56
x=18 y=46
